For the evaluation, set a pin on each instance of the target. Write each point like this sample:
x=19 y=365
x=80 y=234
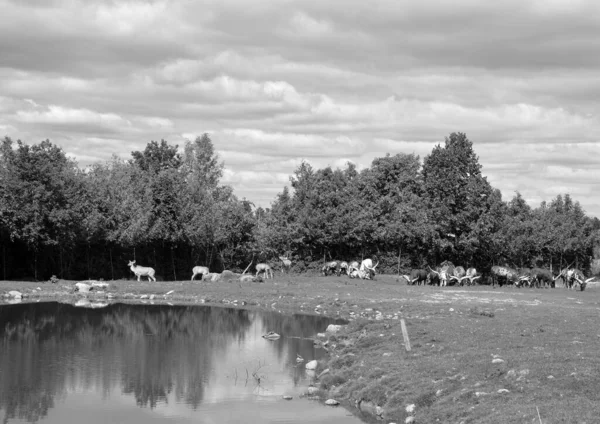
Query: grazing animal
x=417 y=276
x=200 y=270
x=265 y=269
x=500 y=273
x=329 y=268
x=142 y=271
x=542 y=277
x=342 y=267
x=470 y=276
x=367 y=265
x=577 y=277
x=457 y=275
x=287 y=264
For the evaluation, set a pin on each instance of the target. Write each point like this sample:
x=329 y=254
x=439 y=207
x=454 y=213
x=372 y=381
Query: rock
x=503 y=391
x=152 y=296
x=287 y=397
x=497 y=361
x=331 y=402
x=410 y=408
x=100 y=285
x=387 y=354
x=83 y=287
x=82 y=303
x=144 y=296
x=333 y=328
x=451 y=309
x=479 y=394
x=511 y=374
x=271 y=335
x=550 y=377
x=15 y=294
x=379 y=411
x=409 y=420
x=169 y=292
x=312 y=365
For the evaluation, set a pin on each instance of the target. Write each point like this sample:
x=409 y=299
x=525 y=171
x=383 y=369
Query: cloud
x=324 y=82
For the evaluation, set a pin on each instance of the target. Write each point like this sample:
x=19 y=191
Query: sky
x=278 y=82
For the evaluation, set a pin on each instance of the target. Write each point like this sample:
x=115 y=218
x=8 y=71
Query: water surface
x=157 y=363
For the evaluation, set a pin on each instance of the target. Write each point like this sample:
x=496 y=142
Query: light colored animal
x=576 y=276
x=352 y=266
x=362 y=274
x=329 y=267
x=471 y=276
x=342 y=267
x=444 y=272
x=509 y=274
x=200 y=270
x=265 y=269
x=367 y=265
x=287 y=264
x=142 y=271
x=457 y=275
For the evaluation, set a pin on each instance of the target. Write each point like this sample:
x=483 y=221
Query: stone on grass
x=497 y=361
x=410 y=408
x=15 y=294
x=333 y=328
x=287 y=397
x=331 y=402
x=503 y=391
x=409 y=420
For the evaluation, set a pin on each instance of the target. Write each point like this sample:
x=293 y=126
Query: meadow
x=477 y=354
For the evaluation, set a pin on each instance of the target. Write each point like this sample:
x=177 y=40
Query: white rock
x=497 y=361
x=409 y=420
x=503 y=391
x=410 y=408
x=144 y=296
x=312 y=365
x=550 y=377
x=331 y=402
x=333 y=328
x=451 y=309
x=479 y=394
x=152 y=297
x=387 y=354
x=287 y=397
x=100 y=285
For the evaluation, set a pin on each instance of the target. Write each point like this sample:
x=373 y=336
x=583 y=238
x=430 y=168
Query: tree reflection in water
x=153 y=353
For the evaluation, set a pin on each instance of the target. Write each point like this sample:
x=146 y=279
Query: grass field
x=478 y=355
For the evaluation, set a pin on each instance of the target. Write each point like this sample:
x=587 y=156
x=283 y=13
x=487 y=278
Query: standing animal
x=542 y=277
x=265 y=269
x=367 y=265
x=500 y=273
x=142 y=271
x=329 y=268
x=362 y=274
x=287 y=264
x=199 y=270
x=575 y=276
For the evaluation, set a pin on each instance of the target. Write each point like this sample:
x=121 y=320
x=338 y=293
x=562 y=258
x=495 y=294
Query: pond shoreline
x=466 y=362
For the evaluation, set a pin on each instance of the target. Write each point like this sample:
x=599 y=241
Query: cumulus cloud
x=325 y=82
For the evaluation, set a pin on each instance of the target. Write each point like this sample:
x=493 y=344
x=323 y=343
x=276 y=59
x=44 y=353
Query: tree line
x=168 y=209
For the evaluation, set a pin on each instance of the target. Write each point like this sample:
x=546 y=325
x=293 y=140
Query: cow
x=367 y=265
x=470 y=276
x=444 y=271
x=265 y=269
x=199 y=270
x=500 y=273
x=352 y=266
x=329 y=268
x=341 y=267
x=417 y=276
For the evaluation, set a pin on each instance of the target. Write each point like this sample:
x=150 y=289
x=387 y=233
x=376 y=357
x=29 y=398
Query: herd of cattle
x=447 y=274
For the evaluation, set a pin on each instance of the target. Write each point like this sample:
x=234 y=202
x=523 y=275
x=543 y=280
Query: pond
x=157 y=363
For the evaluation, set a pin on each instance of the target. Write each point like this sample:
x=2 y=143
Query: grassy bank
x=478 y=355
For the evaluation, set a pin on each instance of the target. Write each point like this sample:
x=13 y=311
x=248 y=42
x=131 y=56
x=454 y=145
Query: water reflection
x=169 y=359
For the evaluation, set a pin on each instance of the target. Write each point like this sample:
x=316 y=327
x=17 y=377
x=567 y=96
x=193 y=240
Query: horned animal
x=142 y=271
x=471 y=276
x=417 y=276
x=329 y=268
x=287 y=264
x=367 y=265
x=342 y=267
x=265 y=269
x=576 y=276
x=457 y=275
x=199 y=270
x=445 y=270
x=362 y=274
x=502 y=272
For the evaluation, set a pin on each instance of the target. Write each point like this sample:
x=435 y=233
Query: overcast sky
x=276 y=82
